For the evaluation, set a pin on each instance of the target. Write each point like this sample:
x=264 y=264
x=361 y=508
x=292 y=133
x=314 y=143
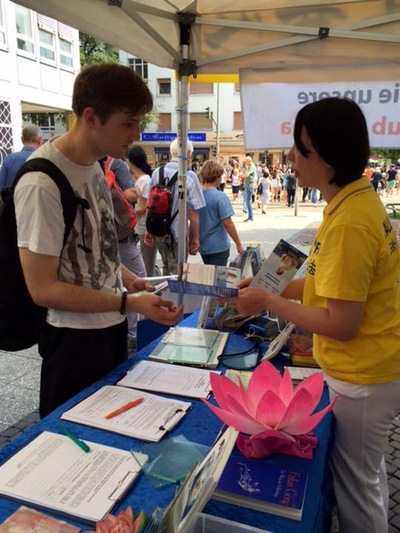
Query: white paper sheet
x=148 y=421
x=172 y=379
x=53 y=472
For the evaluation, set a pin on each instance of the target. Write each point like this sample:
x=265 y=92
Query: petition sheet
x=53 y=472
x=172 y=379
x=148 y=420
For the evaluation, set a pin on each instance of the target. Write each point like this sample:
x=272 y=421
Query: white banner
x=269 y=110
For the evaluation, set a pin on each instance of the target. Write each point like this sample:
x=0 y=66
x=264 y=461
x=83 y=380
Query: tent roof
x=290 y=40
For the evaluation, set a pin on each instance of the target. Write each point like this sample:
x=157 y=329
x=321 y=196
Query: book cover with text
x=263 y=485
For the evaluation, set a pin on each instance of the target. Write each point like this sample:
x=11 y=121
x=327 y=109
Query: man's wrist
x=124 y=297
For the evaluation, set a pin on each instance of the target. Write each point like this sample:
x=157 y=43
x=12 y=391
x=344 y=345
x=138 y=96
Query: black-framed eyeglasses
x=246 y=360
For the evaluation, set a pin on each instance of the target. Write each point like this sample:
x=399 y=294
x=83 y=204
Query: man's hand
x=138 y=284
x=155 y=308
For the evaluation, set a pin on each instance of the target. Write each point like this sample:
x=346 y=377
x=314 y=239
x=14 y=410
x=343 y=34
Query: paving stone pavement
x=19 y=379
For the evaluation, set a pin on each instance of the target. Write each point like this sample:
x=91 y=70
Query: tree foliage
x=393 y=155
x=94 y=51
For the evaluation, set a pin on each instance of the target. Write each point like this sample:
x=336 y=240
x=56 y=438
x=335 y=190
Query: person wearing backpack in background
x=122 y=187
x=86 y=290
x=168 y=245
x=141 y=172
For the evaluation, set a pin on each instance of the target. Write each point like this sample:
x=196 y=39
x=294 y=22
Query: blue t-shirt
x=213 y=235
x=11 y=164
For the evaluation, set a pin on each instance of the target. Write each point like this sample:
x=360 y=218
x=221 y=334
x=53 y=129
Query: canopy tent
x=282 y=41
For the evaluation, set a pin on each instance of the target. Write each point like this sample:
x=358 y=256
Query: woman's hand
x=250 y=301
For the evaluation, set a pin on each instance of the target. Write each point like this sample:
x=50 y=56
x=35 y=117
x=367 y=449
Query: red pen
x=124 y=408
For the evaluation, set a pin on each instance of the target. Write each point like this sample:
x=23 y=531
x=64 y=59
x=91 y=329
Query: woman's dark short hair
x=138 y=157
x=338 y=131
x=109 y=88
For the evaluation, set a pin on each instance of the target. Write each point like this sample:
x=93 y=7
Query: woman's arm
x=341 y=319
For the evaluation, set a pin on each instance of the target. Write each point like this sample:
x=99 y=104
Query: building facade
x=39 y=60
x=215 y=117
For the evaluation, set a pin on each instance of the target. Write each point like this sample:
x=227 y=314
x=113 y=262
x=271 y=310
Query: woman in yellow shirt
x=350 y=300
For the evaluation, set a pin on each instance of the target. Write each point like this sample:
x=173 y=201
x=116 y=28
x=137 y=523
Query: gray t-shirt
x=41 y=230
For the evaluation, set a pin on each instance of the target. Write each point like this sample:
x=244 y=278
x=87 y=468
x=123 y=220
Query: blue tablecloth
x=199 y=425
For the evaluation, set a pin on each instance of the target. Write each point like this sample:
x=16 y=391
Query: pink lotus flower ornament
x=271 y=415
x=123 y=523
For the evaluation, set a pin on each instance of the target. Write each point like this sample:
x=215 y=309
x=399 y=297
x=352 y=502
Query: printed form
x=53 y=472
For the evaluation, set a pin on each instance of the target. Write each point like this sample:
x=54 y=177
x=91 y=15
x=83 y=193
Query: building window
x=199 y=122
x=66 y=49
x=201 y=88
x=23 y=22
x=164 y=122
x=6 y=138
x=47 y=38
x=2 y=26
x=66 y=58
x=47 y=46
x=139 y=66
x=237 y=120
x=164 y=86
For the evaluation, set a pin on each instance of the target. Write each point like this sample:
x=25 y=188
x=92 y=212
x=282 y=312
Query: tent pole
x=187 y=68
x=182 y=118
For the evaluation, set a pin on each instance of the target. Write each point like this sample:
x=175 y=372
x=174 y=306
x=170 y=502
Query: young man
x=168 y=246
x=83 y=283
x=31 y=139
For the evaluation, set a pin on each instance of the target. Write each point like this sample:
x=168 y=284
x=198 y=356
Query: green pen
x=82 y=445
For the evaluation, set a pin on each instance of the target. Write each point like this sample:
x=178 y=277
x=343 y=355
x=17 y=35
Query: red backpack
x=159 y=206
x=124 y=214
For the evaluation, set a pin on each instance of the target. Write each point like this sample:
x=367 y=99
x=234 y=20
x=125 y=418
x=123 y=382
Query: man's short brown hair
x=108 y=88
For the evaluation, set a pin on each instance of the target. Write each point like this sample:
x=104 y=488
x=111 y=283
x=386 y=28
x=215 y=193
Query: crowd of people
x=93 y=292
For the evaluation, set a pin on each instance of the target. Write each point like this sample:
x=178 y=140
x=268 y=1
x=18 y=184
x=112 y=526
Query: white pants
x=363 y=416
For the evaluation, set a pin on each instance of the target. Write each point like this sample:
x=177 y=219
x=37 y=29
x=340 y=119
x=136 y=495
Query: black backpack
x=159 y=206
x=20 y=317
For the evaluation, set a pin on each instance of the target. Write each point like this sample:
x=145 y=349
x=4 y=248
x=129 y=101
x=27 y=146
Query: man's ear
x=90 y=117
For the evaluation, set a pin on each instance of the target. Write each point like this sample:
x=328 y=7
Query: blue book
x=187 y=287
x=206 y=280
x=265 y=485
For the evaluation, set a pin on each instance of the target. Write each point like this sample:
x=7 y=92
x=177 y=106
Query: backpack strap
x=162 y=178
x=69 y=200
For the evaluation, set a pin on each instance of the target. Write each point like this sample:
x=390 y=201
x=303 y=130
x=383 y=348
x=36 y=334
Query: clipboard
x=52 y=472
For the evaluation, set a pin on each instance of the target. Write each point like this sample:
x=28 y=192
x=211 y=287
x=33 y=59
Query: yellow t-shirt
x=355 y=256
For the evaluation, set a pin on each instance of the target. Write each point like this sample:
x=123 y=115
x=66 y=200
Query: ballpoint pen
x=124 y=408
x=82 y=445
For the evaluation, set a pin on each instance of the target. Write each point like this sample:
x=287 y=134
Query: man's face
x=119 y=131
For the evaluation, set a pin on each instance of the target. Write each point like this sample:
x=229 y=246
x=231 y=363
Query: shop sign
x=168 y=137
